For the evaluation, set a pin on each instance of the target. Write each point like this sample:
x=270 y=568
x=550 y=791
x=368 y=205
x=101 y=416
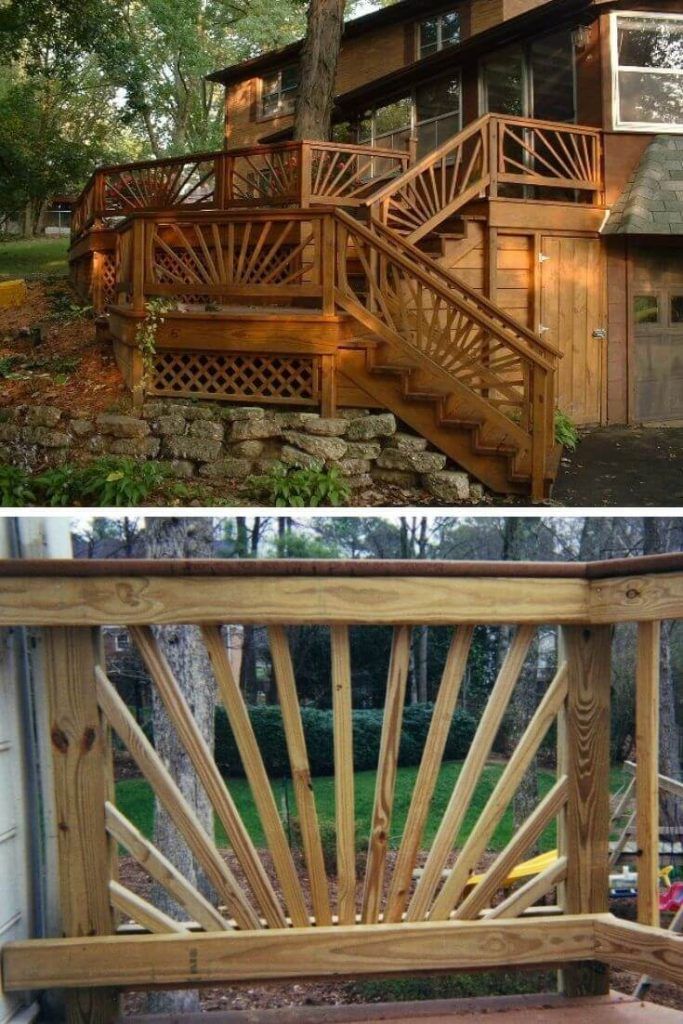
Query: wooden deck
x=542 y=1009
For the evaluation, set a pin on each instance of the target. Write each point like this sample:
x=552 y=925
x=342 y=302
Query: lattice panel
x=240 y=377
x=108 y=277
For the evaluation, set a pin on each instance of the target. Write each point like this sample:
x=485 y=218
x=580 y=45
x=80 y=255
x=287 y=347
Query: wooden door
x=657 y=317
x=573 y=319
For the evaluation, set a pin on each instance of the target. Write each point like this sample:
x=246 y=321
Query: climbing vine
x=146 y=333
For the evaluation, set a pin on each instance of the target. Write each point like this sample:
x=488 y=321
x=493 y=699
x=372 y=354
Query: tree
x=185 y=652
x=319 y=61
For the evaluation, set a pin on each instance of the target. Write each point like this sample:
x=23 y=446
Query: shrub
x=58 y=487
x=266 y=721
x=114 y=480
x=16 y=489
x=288 y=487
x=566 y=432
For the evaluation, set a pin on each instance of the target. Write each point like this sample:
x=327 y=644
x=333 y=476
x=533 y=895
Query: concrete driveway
x=631 y=466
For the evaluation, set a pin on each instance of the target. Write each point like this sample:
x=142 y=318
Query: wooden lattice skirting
x=240 y=377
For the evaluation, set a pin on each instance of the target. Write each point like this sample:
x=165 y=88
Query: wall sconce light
x=580 y=37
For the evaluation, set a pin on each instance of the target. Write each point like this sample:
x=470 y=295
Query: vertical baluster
x=647 y=769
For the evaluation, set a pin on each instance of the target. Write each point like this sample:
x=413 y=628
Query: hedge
x=367 y=729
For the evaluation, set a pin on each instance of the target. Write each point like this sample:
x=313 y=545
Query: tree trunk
x=319 y=69
x=182 y=646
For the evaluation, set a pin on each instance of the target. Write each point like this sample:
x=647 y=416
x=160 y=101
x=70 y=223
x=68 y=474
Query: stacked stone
x=214 y=442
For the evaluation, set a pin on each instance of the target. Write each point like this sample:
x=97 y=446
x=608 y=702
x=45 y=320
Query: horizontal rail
x=671 y=786
x=610 y=568
x=177 y=960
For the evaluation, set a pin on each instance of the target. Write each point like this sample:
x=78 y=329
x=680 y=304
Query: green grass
x=27 y=256
x=135 y=799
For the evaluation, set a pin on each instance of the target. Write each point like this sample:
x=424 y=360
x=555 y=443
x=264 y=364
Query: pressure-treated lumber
x=255 y=771
x=444 y=709
x=636 y=947
x=162 y=871
x=620 y=844
x=79 y=761
x=168 y=793
x=143 y=912
x=637 y=598
x=524 y=837
x=469 y=776
x=647 y=771
x=173 y=961
x=532 y=891
x=386 y=774
x=36 y=601
x=588 y=653
x=301 y=773
x=665 y=783
x=198 y=750
x=344 y=780
x=499 y=800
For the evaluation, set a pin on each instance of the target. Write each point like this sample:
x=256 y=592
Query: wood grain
x=200 y=755
x=468 y=778
x=173 y=961
x=151 y=766
x=647 y=771
x=532 y=891
x=255 y=771
x=301 y=773
x=79 y=769
x=387 y=766
x=143 y=912
x=344 y=779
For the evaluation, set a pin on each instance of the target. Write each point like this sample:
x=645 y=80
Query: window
x=278 y=92
x=646 y=309
x=432 y=113
x=677 y=309
x=535 y=80
x=647 y=66
x=435 y=33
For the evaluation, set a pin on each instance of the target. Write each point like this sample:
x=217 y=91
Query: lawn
x=134 y=798
x=27 y=256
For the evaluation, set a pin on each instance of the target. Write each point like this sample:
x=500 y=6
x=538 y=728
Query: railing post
x=493 y=156
x=138 y=265
x=305 y=173
x=223 y=166
x=328 y=385
x=539 y=434
x=80 y=769
x=584 y=834
x=327 y=264
x=99 y=199
x=647 y=771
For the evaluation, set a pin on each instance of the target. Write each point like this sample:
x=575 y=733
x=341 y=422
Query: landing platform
x=549 y=1009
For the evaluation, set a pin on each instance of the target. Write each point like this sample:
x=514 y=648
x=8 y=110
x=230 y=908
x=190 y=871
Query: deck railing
x=289 y=173
x=270 y=927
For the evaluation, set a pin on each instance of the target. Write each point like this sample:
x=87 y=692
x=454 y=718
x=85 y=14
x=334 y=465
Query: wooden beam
x=79 y=771
x=639 y=948
x=647 y=773
x=637 y=598
x=528 y=894
x=43 y=601
x=143 y=912
x=145 y=961
x=344 y=779
x=586 y=838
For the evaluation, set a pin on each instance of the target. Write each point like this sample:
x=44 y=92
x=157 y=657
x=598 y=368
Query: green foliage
x=118 y=481
x=566 y=432
x=24 y=257
x=288 y=487
x=454 y=986
x=59 y=486
x=16 y=489
x=266 y=721
x=146 y=333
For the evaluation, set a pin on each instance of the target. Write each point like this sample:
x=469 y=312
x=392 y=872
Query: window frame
x=439 y=33
x=650 y=127
x=414 y=124
x=262 y=115
x=528 y=97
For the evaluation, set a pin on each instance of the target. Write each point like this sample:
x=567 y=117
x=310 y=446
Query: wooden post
x=305 y=173
x=328 y=256
x=328 y=385
x=80 y=767
x=493 y=156
x=539 y=437
x=647 y=769
x=138 y=265
x=96 y=288
x=585 y=835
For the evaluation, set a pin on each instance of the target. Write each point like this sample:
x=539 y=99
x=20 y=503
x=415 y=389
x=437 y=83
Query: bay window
x=647 y=70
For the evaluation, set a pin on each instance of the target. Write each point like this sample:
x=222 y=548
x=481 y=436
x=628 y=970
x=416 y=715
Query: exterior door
x=573 y=319
x=657 y=312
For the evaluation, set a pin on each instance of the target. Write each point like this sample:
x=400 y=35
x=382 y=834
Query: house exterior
x=615 y=66
x=493 y=232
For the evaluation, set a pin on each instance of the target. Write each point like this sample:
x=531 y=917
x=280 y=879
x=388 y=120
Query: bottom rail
x=175 y=960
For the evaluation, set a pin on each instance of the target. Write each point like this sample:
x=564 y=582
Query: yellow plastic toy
x=537 y=864
x=12 y=294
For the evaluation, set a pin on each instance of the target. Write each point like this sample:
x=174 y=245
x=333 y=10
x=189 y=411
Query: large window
x=531 y=80
x=431 y=113
x=435 y=33
x=647 y=64
x=278 y=92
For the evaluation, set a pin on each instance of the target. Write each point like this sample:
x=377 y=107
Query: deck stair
x=265 y=244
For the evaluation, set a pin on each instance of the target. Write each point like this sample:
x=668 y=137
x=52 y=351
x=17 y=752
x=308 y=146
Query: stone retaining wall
x=207 y=441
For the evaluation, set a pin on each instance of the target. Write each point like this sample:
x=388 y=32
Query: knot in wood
x=632 y=593
x=59 y=739
x=89 y=737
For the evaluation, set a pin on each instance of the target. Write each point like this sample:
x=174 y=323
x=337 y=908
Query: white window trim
x=439 y=32
x=650 y=127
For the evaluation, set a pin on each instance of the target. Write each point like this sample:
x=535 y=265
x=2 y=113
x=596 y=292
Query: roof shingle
x=652 y=202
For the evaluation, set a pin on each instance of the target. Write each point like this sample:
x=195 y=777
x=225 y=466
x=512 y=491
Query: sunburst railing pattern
x=418 y=908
